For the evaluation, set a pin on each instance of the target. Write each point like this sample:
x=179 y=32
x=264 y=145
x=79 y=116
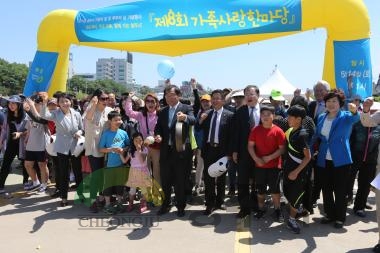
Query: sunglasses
x=104 y=98
x=149 y=101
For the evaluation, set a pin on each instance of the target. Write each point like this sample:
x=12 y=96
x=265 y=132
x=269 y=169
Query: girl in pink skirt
x=139 y=175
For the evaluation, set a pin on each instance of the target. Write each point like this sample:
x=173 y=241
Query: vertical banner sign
x=152 y=20
x=40 y=72
x=353 y=70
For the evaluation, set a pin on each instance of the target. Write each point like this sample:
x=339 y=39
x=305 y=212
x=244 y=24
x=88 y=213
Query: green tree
x=78 y=84
x=109 y=86
x=145 y=90
x=12 y=77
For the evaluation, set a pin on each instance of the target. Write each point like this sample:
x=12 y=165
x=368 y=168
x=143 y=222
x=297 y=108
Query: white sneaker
x=42 y=188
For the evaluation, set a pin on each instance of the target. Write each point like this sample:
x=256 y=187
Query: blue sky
x=299 y=57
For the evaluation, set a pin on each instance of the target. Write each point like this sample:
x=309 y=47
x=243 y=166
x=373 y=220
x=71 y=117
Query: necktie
x=251 y=117
x=320 y=109
x=213 y=126
x=171 y=115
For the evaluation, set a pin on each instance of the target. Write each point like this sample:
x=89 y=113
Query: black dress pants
x=334 y=185
x=173 y=173
x=9 y=155
x=214 y=197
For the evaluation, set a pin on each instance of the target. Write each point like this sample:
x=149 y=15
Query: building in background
x=118 y=70
x=185 y=87
x=70 y=72
x=160 y=86
x=87 y=76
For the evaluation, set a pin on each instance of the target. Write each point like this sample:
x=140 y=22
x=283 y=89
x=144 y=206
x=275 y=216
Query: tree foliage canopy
x=77 y=83
x=12 y=77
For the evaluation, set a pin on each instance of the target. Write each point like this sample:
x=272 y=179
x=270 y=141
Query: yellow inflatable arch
x=178 y=27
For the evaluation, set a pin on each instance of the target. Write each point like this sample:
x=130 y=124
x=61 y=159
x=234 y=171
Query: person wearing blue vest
x=334 y=155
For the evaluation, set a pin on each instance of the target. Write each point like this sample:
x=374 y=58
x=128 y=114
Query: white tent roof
x=278 y=82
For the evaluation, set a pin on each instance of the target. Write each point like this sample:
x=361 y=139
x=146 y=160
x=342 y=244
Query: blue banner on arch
x=353 y=69
x=40 y=73
x=186 y=19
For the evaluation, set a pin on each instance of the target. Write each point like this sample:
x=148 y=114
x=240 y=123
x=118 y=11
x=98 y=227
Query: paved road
x=35 y=223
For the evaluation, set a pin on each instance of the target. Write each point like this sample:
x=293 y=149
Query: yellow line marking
x=243 y=236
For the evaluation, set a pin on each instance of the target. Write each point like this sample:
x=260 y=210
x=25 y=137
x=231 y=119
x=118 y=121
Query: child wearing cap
x=277 y=100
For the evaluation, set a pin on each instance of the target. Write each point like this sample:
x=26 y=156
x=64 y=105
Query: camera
x=38 y=99
x=22 y=97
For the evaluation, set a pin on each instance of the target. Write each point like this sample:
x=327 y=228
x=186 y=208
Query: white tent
x=278 y=82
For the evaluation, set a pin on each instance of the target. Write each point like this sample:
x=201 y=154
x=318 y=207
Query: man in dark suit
x=173 y=162
x=315 y=108
x=216 y=144
x=246 y=117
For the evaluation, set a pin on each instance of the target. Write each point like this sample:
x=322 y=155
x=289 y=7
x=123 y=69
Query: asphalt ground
x=34 y=222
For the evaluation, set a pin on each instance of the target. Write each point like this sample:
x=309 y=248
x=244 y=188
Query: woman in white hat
x=11 y=138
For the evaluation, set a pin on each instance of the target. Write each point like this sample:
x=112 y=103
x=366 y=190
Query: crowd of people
x=149 y=147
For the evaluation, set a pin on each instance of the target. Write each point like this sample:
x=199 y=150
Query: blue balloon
x=165 y=69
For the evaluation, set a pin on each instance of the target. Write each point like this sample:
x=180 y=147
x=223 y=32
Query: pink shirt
x=152 y=119
x=139 y=161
